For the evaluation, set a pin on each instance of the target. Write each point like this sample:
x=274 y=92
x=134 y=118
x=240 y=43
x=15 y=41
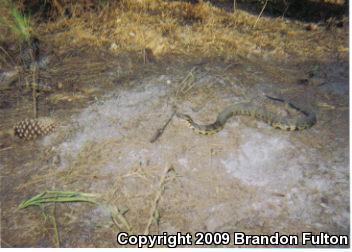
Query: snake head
x=184 y=117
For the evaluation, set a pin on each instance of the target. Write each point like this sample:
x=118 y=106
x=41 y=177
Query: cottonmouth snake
x=304 y=121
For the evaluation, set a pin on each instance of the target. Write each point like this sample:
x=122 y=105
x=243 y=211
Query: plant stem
x=260 y=14
x=34 y=85
x=56 y=230
x=154 y=209
x=34 y=99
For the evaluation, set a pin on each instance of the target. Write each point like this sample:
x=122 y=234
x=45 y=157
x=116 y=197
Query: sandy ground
x=249 y=177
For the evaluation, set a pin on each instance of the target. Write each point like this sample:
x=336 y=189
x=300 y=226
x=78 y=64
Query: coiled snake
x=305 y=121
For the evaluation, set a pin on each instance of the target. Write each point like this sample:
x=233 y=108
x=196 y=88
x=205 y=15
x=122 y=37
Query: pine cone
x=30 y=129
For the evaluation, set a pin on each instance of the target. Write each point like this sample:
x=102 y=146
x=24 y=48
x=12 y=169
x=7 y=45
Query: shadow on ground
x=302 y=10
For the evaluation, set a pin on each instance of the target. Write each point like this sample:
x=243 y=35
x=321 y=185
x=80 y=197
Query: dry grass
x=179 y=28
x=170 y=29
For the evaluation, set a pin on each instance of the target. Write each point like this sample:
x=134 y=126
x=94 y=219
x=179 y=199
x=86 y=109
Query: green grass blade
x=59 y=197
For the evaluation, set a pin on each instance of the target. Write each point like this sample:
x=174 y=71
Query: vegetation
x=16 y=21
x=173 y=27
x=57 y=197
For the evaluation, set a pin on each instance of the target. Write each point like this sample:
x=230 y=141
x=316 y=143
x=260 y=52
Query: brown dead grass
x=189 y=30
x=194 y=30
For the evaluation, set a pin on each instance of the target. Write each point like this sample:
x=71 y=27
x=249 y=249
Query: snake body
x=305 y=121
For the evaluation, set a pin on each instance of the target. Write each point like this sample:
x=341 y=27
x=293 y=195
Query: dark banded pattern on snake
x=305 y=121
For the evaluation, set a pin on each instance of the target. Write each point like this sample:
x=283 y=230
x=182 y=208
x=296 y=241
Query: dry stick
x=120 y=216
x=34 y=94
x=56 y=231
x=34 y=85
x=6 y=53
x=144 y=56
x=160 y=131
x=7 y=148
x=186 y=81
x=7 y=244
x=153 y=210
x=287 y=6
x=260 y=14
x=190 y=83
x=58 y=6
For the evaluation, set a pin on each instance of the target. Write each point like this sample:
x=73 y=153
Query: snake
x=304 y=121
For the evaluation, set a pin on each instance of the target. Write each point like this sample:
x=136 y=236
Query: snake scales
x=304 y=121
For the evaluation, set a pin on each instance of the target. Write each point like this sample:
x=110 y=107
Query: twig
x=58 y=7
x=287 y=4
x=260 y=14
x=7 y=244
x=187 y=82
x=34 y=95
x=56 y=230
x=34 y=82
x=119 y=214
x=154 y=210
x=6 y=53
x=7 y=148
x=160 y=131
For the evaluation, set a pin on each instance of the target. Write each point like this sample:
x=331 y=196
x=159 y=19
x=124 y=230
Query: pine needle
x=57 y=196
